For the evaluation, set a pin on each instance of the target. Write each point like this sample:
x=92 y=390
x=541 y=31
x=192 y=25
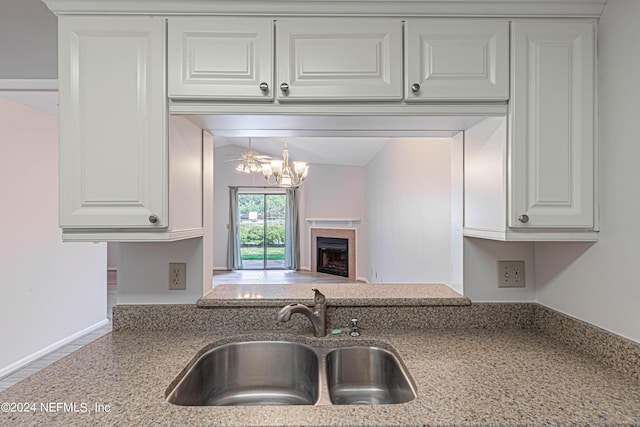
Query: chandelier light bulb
x=299 y=167
x=276 y=167
x=266 y=171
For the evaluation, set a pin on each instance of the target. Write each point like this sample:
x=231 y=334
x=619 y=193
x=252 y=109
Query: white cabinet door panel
x=339 y=59
x=220 y=58
x=113 y=146
x=552 y=125
x=457 y=59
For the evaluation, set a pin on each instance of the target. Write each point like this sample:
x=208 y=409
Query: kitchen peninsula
x=479 y=372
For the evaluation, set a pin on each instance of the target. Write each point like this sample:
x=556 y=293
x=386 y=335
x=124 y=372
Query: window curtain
x=234 y=260
x=292 y=231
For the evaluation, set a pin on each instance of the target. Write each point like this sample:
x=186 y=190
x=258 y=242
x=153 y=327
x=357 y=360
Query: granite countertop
x=339 y=294
x=479 y=376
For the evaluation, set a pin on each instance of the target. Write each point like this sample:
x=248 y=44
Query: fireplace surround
x=348 y=234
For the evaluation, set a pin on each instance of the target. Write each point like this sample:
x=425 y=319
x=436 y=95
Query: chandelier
x=283 y=175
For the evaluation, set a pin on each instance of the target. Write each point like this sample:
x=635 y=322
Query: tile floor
x=274 y=277
x=47 y=360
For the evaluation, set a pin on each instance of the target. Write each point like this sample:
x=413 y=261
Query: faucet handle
x=354 y=328
x=319 y=298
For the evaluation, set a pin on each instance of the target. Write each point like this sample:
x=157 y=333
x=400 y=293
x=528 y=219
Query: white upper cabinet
x=456 y=60
x=339 y=59
x=220 y=58
x=531 y=176
x=113 y=123
x=552 y=123
x=128 y=172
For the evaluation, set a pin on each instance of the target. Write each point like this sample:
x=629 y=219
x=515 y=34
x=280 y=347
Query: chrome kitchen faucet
x=318 y=315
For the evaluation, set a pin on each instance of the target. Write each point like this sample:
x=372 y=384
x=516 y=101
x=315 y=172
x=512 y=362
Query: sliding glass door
x=262 y=230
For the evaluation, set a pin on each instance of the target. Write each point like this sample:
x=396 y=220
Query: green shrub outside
x=253 y=235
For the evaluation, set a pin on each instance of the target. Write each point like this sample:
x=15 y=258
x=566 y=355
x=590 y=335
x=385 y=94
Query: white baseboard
x=304 y=268
x=362 y=279
x=8 y=370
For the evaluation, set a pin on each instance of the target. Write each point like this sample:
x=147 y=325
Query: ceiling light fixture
x=283 y=175
x=251 y=161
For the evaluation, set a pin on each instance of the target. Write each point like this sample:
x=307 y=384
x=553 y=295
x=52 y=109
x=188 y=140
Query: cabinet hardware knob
x=153 y=218
x=264 y=86
x=523 y=218
x=284 y=87
x=415 y=87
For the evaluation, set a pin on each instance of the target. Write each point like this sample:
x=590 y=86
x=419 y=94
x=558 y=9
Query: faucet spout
x=285 y=312
x=317 y=315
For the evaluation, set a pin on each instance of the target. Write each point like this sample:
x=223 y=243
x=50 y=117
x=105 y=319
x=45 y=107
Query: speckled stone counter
x=338 y=294
x=463 y=377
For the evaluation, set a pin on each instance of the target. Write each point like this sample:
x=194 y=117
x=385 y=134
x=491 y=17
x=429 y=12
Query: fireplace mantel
x=333 y=222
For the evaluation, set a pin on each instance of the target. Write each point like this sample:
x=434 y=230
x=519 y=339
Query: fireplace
x=348 y=234
x=333 y=256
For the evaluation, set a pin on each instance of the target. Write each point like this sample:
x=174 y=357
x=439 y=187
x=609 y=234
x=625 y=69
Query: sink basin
x=290 y=373
x=251 y=373
x=366 y=376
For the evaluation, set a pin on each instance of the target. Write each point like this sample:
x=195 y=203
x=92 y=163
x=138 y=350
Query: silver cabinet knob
x=284 y=87
x=523 y=218
x=415 y=88
x=153 y=218
x=264 y=86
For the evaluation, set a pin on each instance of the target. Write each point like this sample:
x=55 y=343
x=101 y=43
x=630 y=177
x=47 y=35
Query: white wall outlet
x=511 y=274
x=177 y=276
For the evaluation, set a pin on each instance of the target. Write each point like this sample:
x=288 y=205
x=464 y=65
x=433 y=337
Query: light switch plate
x=511 y=274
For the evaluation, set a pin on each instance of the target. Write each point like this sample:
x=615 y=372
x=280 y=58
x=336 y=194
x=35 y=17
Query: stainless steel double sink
x=292 y=373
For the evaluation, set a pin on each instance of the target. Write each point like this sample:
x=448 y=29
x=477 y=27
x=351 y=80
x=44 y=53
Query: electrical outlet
x=177 y=276
x=511 y=274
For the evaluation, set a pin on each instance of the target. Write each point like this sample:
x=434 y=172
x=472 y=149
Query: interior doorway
x=262 y=230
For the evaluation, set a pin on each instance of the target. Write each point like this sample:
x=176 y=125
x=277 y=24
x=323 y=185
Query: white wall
x=481 y=270
x=485 y=172
x=185 y=174
x=51 y=290
x=597 y=283
x=28 y=40
x=335 y=192
x=112 y=255
x=408 y=196
x=143 y=272
x=457 y=213
x=208 y=167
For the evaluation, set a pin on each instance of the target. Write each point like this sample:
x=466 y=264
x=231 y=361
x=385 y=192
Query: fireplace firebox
x=333 y=256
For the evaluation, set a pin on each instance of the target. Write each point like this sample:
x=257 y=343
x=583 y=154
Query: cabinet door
x=456 y=59
x=220 y=58
x=113 y=130
x=552 y=125
x=339 y=59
